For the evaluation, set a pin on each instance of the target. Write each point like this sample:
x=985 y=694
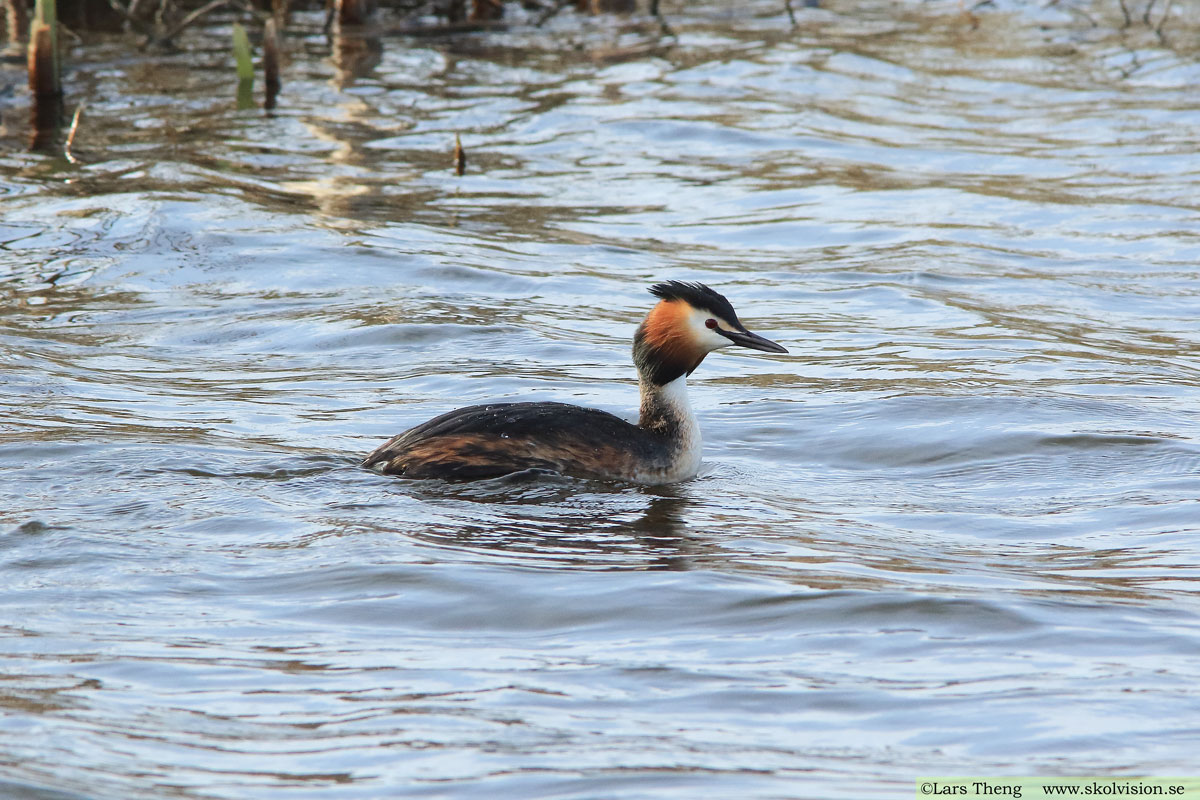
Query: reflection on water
x=562 y=520
x=954 y=532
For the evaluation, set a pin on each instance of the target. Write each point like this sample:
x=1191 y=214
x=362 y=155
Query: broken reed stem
x=271 y=63
x=46 y=12
x=44 y=80
x=71 y=135
x=460 y=157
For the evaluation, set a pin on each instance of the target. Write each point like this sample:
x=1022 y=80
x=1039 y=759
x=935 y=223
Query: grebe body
x=487 y=441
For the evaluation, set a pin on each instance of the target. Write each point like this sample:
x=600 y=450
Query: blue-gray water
x=953 y=532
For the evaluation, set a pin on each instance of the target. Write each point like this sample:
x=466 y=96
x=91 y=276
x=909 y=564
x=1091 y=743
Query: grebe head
x=689 y=322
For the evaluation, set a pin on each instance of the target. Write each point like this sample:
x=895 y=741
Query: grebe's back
x=486 y=441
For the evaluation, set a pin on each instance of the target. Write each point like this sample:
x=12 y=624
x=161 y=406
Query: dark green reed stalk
x=245 y=67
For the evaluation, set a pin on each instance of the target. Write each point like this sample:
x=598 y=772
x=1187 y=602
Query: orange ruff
x=667 y=332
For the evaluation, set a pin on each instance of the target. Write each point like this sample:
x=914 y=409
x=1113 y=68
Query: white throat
x=674 y=396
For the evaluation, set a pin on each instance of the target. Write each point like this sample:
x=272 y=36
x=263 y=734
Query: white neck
x=666 y=410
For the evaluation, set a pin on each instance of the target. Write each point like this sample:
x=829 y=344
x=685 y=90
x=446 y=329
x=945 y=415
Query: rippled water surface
x=953 y=532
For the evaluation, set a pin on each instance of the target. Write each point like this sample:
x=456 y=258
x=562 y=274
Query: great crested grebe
x=689 y=322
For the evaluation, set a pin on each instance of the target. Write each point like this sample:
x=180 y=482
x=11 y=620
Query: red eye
x=710 y=323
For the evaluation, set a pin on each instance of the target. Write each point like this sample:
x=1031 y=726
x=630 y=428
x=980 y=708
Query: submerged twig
x=71 y=135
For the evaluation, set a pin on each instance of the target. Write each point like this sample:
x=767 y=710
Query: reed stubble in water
x=271 y=63
x=45 y=82
x=16 y=19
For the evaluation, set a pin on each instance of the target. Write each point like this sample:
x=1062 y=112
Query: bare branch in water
x=1146 y=13
x=192 y=17
x=664 y=28
x=130 y=16
x=1163 y=21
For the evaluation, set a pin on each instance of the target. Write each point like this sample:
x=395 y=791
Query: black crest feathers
x=699 y=296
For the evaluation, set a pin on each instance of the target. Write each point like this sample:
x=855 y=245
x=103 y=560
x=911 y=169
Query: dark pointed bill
x=753 y=341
